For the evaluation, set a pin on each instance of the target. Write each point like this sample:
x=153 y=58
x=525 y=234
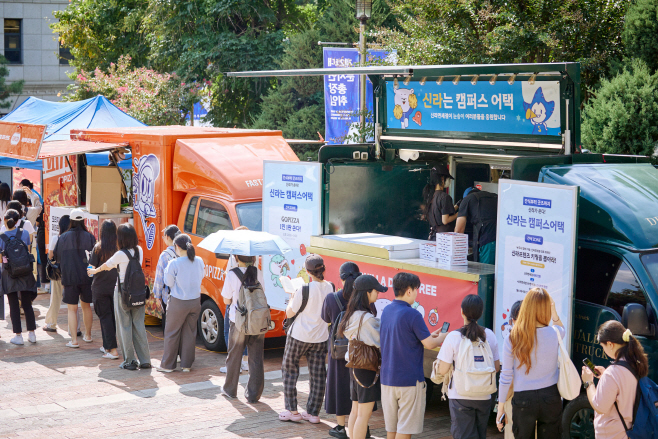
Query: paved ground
x=50 y=391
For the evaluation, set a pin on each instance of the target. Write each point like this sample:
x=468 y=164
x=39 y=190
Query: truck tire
x=578 y=419
x=210 y=326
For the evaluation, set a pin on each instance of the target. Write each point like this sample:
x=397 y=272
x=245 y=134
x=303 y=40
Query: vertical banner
x=291 y=210
x=59 y=184
x=535 y=247
x=341 y=93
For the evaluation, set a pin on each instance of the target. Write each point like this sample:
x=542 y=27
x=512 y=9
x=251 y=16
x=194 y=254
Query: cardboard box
x=103 y=189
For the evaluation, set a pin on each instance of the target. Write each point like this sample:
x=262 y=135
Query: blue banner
x=341 y=93
x=519 y=108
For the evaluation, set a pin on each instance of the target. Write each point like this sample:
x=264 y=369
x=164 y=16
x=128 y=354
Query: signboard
x=535 y=247
x=92 y=220
x=341 y=93
x=21 y=140
x=291 y=210
x=59 y=184
x=519 y=108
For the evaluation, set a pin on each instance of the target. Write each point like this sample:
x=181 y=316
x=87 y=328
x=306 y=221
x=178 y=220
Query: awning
x=68 y=147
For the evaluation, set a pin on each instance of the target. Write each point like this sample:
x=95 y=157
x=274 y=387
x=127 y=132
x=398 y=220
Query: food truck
x=201 y=179
x=493 y=124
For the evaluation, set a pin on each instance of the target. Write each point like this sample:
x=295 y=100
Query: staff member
x=440 y=211
x=480 y=208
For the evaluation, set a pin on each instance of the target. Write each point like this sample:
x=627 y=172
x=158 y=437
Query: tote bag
x=568 y=383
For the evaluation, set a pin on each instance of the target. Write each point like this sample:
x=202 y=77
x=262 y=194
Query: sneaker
x=223 y=369
x=50 y=328
x=224 y=393
x=244 y=366
x=32 y=337
x=129 y=366
x=186 y=369
x=163 y=370
x=145 y=366
x=17 y=340
x=339 y=431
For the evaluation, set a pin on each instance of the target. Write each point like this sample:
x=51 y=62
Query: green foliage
x=622 y=117
x=6 y=90
x=640 y=33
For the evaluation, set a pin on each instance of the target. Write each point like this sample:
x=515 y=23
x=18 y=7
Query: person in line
x=130 y=321
x=536 y=399
x=238 y=340
x=360 y=323
x=20 y=208
x=102 y=288
x=160 y=290
x=513 y=317
x=35 y=215
x=480 y=208
x=337 y=399
x=440 y=211
x=404 y=338
x=70 y=251
x=23 y=288
x=26 y=197
x=5 y=198
x=183 y=276
x=617 y=384
x=469 y=415
x=56 y=285
x=307 y=337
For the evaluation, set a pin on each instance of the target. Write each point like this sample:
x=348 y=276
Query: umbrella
x=245 y=243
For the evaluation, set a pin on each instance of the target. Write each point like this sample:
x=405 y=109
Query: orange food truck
x=201 y=179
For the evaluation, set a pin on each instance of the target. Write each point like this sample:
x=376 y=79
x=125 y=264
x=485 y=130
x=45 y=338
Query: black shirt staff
x=439 y=208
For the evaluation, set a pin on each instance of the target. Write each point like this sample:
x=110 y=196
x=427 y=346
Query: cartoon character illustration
x=380 y=304
x=278 y=267
x=538 y=112
x=146 y=173
x=405 y=104
x=433 y=318
x=505 y=329
x=418 y=117
x=418 y=307
x=304 y=275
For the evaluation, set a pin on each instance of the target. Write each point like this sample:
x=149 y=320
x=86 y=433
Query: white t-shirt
x=448 y=354
x=309 y=326
x=27 y=227
x=120 y=259
x=231 y=289
x=53 y=242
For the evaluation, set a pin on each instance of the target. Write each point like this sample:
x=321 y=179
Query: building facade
x=32 y=49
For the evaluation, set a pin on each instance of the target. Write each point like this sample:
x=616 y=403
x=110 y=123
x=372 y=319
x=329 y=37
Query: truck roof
x=228 y=166
x=618 y=202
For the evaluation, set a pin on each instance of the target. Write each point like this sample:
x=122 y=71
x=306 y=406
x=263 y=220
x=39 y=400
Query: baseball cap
x=313 y=262
x=442 y=170
x=77 y=215
x=368 y=282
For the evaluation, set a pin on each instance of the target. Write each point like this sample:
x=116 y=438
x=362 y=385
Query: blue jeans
x=227 y=325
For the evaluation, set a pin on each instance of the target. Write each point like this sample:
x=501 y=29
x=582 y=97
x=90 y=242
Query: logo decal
x=146 y=173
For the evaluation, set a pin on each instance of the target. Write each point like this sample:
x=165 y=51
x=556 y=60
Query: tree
x=6 y=90
x=640 y=33
x=622 y=116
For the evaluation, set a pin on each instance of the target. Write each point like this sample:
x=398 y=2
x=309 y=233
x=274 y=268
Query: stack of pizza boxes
x=452 y=248
x=427 y=250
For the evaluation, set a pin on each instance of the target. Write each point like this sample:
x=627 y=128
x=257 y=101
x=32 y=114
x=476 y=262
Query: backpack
x=645 y=409
x=133 y=290
x=475 y=372
x=338 y=344
x=19 y=259
x=252 y=313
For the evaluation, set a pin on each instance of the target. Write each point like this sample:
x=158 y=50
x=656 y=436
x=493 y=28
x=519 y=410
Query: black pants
x=104 y=308
x=43 y=256
x=469 y=418
x=543 y=407
x=15 y=311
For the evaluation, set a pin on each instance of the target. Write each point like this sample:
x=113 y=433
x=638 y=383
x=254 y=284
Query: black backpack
x=134 y=291
x=19 y=259
x=338 y=344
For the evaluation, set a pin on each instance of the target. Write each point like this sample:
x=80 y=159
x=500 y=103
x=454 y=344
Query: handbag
x=364 y=356
x=569 y=382
x=53 y=270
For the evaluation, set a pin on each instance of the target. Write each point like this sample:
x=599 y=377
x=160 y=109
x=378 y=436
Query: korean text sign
x=535 y=247
x=21 y=140
x=291 y=210
x=519 y=108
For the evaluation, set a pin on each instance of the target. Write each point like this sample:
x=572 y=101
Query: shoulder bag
x=364 y=356
x=569 y=382
x=288 y=322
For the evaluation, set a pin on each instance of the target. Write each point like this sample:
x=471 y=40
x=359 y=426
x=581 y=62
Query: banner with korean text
x=291 y=210
x=517 y=108
x=535 y=247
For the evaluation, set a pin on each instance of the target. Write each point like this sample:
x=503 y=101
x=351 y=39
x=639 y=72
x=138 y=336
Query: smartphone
x=445 y=327
x=589 y=364
x=502 y=421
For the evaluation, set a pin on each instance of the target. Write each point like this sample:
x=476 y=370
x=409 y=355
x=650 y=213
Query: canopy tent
x=93 y=159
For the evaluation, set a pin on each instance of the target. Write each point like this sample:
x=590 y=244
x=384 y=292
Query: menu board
x=291 y=210
x=535 y=247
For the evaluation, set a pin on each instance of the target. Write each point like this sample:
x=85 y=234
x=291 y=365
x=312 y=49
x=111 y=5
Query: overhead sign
x=519 y=108
x=21 y=140
x=535 y=247
x=291 y=210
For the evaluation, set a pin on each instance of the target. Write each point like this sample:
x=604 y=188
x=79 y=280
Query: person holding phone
x=507 y=421
x=617 y=383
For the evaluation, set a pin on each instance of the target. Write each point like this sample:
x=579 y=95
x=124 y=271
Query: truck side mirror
x=222 y=255
x=636 y=318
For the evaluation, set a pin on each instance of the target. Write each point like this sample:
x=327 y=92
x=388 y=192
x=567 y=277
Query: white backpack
x=474 y=378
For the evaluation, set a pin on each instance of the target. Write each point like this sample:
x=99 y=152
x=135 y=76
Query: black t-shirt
x=104 y=281
x=441 y=205
x=469 y=209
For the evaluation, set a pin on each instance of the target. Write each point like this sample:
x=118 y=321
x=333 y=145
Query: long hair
x=5 y=193
x=64 y=223
x=535 y=309
x=430 y=188
x=631 y=351
x=358 y=302
x=473 y=307
x=107 y=244
x=349 y=271
x=12 y=217
x=251 y=273
x=78 y=224
x=127 y=237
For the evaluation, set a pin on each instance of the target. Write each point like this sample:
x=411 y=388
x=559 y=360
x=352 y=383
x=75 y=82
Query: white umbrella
x=245 y=243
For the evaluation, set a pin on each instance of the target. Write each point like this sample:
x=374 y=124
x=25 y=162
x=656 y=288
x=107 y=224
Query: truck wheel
x=578 y=419
x=211 y=326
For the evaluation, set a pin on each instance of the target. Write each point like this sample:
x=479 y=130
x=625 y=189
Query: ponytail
x=349 y=271
x=12 y=217
x=631 y=350
x=472 y=307
x=318 y=272
x=185 y=243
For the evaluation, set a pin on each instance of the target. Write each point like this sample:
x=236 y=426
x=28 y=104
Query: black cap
x=368 y=282
x=442 y=170
x=313 y=262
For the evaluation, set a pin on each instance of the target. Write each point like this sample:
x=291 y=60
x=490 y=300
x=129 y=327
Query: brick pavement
x=50 y=391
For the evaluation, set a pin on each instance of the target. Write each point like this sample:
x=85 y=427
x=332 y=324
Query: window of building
x=212 y=217
x=13 y=41
x=64 y=55
x=189 y=217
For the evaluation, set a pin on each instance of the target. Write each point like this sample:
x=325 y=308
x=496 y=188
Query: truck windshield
x=251 y=215
x=650 y=261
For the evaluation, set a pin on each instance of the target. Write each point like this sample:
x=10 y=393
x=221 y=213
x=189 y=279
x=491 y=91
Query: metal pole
x=362 y=83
